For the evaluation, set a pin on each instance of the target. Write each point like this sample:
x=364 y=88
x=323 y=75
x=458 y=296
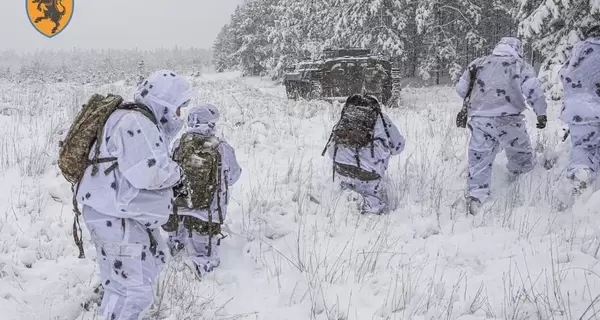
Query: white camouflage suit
x=504 y=83
x=374 y=194
x=580 y=76
x=202 y=120
x=124 y=209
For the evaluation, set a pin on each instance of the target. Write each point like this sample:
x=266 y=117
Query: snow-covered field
x=298 y=248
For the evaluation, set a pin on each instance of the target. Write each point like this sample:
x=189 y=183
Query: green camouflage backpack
x=200 y=160
x=356 y=130
x=87 y=129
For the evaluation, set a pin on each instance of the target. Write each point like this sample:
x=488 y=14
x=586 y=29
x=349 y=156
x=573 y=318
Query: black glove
x=541 y=122
x=179 y=189
x=461 y=118
x=172 y=224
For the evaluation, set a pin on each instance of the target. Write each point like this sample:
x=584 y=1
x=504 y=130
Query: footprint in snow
x=275 y=232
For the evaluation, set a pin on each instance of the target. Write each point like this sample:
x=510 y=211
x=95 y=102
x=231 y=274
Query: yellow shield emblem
x=49 y=17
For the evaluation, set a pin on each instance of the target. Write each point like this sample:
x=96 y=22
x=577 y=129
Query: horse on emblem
x=51 y=11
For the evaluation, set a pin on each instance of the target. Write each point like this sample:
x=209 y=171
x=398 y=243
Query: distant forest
x=100 y=66
x=429 y=39
x=425 y=39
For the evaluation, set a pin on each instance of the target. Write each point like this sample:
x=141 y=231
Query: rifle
x=461 y=118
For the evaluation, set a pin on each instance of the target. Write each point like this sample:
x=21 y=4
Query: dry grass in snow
x=298 y=248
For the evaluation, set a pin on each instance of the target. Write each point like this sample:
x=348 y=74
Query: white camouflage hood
x=203 y=119
x=163 y=92
x=509 y=46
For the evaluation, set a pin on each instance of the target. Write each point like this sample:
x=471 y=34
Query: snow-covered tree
x=141 y=71
x=553 y=27
x=376 y=24
x=223 y=49
x=422 y=37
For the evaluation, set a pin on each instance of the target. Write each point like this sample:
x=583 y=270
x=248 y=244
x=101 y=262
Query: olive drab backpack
x=356 y=130
x=85 y=132
x=200 y=161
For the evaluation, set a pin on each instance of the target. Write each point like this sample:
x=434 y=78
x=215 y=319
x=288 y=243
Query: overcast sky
x=145 y=24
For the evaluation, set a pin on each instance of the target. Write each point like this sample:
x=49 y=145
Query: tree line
x=100 y=66
x=429 y=39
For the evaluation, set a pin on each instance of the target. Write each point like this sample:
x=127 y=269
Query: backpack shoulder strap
x=140 y=108
x=472 y=78
x=385 y=126
x=134 y=107
x=220 y=180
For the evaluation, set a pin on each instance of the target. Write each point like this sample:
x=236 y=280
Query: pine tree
x=553 y=27
x=423 y=37
x=255 y=49
x=141 y=71
x=223 y=49
x=376 y=24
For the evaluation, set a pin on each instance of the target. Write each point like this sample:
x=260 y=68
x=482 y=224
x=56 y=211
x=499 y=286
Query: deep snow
x=297 y=247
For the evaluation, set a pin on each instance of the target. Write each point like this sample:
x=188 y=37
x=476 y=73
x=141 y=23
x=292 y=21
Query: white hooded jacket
x=580 y=76
x=202 y=120
x=504 y=82
x=141 y=186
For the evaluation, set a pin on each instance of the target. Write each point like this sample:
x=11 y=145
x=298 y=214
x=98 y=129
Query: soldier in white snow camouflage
x=198 y=229
x=124 y=209
x=503 y=85
x=580 y=76
x=360 y=165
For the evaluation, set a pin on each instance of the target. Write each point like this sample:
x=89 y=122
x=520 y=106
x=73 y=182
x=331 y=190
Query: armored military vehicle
x=341 y=73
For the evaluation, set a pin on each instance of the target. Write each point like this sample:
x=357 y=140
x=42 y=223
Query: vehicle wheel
x=291 y=92
x=316 y=90
x=386 y=95
x=396 y=78
x=395 y=94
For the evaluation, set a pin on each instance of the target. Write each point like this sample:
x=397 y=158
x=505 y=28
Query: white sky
x=145 y=24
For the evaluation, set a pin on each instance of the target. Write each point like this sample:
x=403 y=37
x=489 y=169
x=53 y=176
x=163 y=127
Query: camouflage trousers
x=372 y=192
x=585 y=150
x=194 y=235
x=129 y=257
x=488 y=135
